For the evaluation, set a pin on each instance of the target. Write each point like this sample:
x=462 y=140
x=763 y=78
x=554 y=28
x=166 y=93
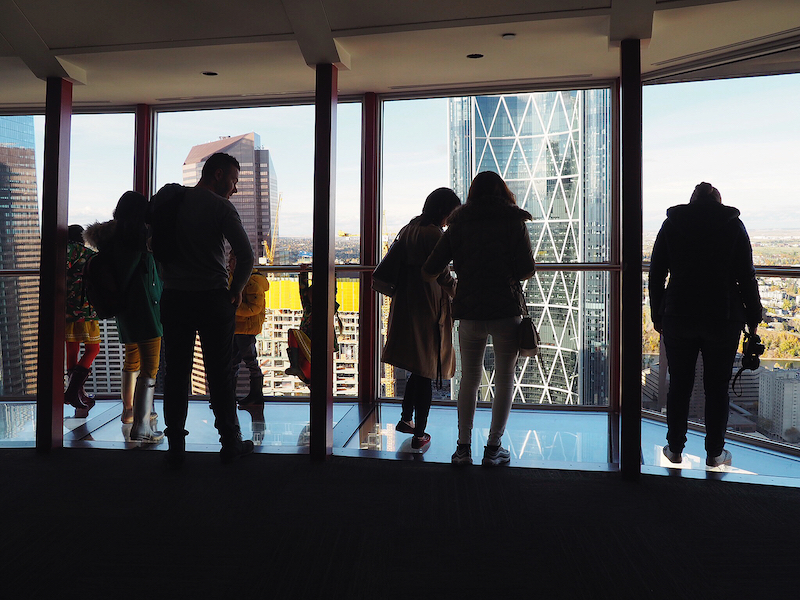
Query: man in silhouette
x=712 y=294
x=191 y=226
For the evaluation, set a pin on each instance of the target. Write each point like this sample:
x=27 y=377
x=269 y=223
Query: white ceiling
x=154 y=52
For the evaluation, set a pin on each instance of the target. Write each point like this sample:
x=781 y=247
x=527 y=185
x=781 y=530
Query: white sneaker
x=724 y=458
x=673 y=457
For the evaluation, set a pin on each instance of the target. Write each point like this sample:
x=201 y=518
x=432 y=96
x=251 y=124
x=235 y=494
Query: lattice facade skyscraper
x=20 y=240
x=552 y=149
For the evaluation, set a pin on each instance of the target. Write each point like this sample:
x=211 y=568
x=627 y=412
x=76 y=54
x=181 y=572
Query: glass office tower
x=257 y=197
x=552 y=149
x=19 y=249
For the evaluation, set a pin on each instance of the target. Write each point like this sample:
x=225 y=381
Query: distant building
x=257 y=197
x=779 y=402
x=552 y=149
x=20 y=240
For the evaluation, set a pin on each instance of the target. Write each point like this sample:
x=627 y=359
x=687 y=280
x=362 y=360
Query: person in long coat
x=139 y=320
x=490 y=247
x=419 y=331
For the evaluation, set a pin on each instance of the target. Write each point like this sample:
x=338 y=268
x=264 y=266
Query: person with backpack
x=82 y=326
x=190 y=228
x=137 y=287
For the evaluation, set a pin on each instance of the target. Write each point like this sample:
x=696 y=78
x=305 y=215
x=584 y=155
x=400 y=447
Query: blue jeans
x=211 y=315
x=472 y=338
x=718 y=341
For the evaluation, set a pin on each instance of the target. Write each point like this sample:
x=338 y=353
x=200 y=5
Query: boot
x=176 y=452
x=87 y=399
x=142 y=402
x=128 y=389
x=294 y=363
x=256 y=394
x=77 y=377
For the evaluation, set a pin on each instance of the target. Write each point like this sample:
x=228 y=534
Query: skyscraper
x=19 y=249
x=552 y=150
x=257 y=196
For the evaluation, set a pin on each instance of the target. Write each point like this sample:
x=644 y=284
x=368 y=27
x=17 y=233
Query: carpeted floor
x=114 y=524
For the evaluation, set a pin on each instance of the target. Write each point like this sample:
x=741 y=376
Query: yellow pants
x=143 y=356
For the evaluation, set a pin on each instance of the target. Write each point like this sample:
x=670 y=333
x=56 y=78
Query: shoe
x=176 y=452
x=233 y=450
x=494 y=456
x=462 y=456
x=673 y=457
x=724 y=458
x=419 y=443
x=404 y=426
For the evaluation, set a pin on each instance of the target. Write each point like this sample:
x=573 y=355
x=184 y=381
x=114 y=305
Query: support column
x=52 y=269
x=323 y=288
x=143 y=151
x=368 y=318
x=631 y=169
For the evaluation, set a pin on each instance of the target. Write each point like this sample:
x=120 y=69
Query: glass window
x=552 y=149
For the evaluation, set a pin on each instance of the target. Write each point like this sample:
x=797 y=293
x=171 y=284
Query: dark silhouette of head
x=705 y=192
x=75 y=234
x=131 y=206
x=488 y=184
x=439 y=204
x=220 y=174
x=130 y=217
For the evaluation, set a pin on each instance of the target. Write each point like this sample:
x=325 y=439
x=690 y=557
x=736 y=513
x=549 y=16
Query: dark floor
x=93 y=523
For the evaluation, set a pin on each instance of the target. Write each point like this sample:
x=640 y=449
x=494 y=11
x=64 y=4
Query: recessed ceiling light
x=475 y=55
x=210 y=73
x=509 y=36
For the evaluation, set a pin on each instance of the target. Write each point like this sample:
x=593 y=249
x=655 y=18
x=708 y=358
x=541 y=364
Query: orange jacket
x=251 y=313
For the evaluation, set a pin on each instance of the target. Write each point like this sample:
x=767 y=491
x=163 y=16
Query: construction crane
x=269 y=252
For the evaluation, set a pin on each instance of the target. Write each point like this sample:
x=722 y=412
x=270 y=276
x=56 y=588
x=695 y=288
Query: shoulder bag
x=528 y=336
x=386 y=275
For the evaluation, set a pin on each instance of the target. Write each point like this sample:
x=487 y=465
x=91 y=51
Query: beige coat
x=419 y=336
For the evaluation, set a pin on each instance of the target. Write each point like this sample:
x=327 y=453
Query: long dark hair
x=488 y=184
x=438 y=205
x=129 y=215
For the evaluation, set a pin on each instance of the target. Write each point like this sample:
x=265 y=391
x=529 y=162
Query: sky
x=740 y=135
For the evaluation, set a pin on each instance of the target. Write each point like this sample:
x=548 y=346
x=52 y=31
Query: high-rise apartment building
x=19 y=249
x=779 y=403
x=552 y=149
x=257 y=197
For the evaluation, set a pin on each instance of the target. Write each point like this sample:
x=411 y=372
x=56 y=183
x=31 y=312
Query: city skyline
x=737 y=134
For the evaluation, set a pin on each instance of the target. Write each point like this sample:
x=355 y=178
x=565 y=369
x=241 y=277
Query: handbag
x=386 y=275
x=528 y=335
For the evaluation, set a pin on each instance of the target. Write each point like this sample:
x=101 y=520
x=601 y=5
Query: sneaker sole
x=495 y=462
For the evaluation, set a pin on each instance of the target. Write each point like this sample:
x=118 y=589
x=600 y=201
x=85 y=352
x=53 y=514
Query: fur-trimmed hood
x=97 y=235
x=488 y=209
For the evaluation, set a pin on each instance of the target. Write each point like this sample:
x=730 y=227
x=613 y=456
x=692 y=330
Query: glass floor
x=550 y=439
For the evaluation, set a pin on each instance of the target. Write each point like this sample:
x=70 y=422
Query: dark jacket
x=490 y=247
x=705 y=249
x=419 y=335
x=77 y=305
x=140 y=320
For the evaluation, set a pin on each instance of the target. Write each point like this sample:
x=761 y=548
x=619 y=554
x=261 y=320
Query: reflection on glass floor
x=557 y=439
x=536 y=438
x=747 y=459
x=273 y=425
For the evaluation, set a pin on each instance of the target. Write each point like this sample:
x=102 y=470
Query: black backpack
x=163 y=219
x=101 y=287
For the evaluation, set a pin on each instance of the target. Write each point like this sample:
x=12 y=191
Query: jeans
x=717 y=341
x=211 y=315
x=417 y=402
x=472 y=338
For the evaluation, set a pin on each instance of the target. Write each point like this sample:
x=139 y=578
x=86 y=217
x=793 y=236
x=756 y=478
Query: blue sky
x=740 y=135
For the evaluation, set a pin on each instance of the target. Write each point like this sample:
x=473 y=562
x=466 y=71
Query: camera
x=752 y=348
